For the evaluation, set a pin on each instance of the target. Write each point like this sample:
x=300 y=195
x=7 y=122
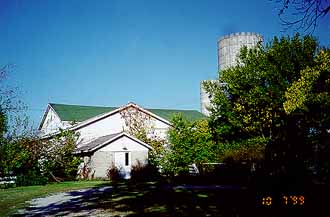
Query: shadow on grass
x=160 y=199
x=146 y=199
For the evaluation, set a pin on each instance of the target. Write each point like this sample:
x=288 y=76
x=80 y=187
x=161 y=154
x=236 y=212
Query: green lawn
x=13 y=199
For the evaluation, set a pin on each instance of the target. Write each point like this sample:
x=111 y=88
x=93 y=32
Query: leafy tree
x=140 y=125
x=249 y=101
x=33 y=158
x=22 y=152
x=189 y=142
x=12 y=107
x=12 y=157
x=20 y=156
x=12 y=128
x=309 y=96
x=3 y=124
x=58 y=159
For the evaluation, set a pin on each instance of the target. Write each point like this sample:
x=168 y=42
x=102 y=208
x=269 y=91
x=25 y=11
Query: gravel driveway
x=74 y=203
x=117 y=201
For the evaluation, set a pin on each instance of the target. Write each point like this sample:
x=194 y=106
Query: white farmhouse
x=103 y=140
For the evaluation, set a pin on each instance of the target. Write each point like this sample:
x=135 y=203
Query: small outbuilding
x=120 y=150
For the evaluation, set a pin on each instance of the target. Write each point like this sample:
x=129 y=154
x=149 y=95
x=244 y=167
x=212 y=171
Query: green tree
x=140 y=125
x=12 y=128
x=247 y=111
x=20 y=156
x=309 y=97
x=22 y=152
x=3 y=124
x=58 y=159
x=189 y=142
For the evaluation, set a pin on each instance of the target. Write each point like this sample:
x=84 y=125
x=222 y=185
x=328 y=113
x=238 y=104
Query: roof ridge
x=79 y=113
x=171 y=109
x=99 y=106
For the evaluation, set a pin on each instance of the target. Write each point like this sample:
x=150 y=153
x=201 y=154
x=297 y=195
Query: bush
x=142 y=172
x=229 y=172
x=31 y=179
x=114 y=173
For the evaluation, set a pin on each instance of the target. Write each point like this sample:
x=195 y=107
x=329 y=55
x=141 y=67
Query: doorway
x=123 y=162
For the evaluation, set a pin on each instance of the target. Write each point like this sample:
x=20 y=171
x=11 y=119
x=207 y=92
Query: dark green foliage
x=31 y=178
x=248 y=116
x=20 y=156
x=309 y=98
x=230 y=172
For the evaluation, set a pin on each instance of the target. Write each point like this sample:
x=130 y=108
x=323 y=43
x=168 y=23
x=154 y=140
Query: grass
x=12 y=199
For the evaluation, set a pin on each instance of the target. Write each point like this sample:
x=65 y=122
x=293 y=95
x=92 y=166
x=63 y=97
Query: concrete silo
x=228 y=50
x=205 y=99
x=230 y=45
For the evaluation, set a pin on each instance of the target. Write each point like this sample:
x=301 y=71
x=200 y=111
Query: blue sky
x=151 y=52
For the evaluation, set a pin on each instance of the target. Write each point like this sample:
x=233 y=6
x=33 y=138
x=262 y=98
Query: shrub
x=142 y=172
x=31 y=179
x=114 y=173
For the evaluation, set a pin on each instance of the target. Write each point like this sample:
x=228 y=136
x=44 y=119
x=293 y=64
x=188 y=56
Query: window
x=126 y=159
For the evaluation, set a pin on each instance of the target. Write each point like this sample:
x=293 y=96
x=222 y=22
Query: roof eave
x=49 y=106
x=105 y=115
x=44 y=117
x=114 y=139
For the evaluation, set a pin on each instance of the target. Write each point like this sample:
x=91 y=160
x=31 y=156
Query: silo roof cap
x=240 y=34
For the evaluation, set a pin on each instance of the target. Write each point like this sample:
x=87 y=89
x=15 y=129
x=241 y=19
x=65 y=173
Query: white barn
x=103 y=140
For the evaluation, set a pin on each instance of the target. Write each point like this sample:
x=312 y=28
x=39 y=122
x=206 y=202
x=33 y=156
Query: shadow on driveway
x=153 y=199
x=124 y=199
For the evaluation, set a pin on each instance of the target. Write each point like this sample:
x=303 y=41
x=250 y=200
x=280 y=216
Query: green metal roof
x=80 y=113
x=167 y=114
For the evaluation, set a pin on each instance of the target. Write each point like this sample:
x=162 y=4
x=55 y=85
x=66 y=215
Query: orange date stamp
x=286 y=200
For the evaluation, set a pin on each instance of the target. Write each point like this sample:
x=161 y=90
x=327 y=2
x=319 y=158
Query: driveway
x=82 y=202
x=146 y=200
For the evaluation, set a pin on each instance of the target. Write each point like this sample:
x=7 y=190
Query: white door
x=123 y=162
